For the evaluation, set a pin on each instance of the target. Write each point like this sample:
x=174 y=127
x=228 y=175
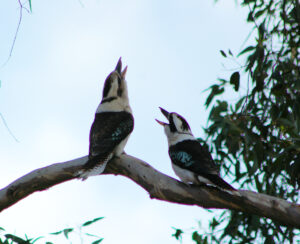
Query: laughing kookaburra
x=191 y=162
x=112 y=125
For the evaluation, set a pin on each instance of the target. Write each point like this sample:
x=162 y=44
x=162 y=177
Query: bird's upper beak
x=119 y=69
x=119 y=66
x=166 y=114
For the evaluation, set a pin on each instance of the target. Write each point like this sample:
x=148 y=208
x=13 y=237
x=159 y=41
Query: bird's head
x=177 y=129
x=115 y=84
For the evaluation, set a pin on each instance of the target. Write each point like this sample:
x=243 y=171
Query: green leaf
x=56 y=233
x=88 y=234
x=247 y=49
x=97 y=241
x=178 y=233
x=198 y=238
x=250 y=17
x=223 y=53
x=237 y=171
x=16 y=239
x=29 y=1
x=257 y=183
x=92 y=221
x=213 y=224
x=259 y=13
x=37 y=239
x=5 y=242
x=215 y=90
x=67 y=231
x=239 y=103
x=222 y=81
x=230 y=53
x=235 y=80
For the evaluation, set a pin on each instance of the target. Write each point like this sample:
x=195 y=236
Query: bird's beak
x=119 y=66
x=123 y=74
x=161 y=123
x=164 y=112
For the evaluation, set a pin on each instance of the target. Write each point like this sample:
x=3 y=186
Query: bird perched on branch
x=191 y=162
x=112 y=125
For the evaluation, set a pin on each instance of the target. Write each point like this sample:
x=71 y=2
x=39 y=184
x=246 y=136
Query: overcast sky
x=52 y=85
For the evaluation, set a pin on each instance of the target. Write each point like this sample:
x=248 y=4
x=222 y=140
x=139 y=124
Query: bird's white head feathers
x=178 y=128
x=115 y=93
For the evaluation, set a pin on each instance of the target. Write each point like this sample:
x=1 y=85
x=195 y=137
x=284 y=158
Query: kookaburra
x=191 y=162
x=112 y=125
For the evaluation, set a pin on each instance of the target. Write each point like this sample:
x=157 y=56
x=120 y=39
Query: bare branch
x=159 y=186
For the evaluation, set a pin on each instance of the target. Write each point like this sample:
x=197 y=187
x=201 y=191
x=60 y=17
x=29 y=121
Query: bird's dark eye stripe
x=120 y=89
x=172 y=125
x=107 y=87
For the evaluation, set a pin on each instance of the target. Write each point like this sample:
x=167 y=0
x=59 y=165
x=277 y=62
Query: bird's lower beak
x=161 y=123
x=123 y=74
x=164 y=112
x=119 y=66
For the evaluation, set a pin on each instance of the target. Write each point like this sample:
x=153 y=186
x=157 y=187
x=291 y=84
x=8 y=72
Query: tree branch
x=159 y=186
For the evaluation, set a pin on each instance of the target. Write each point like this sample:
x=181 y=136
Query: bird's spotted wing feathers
x=189 y=154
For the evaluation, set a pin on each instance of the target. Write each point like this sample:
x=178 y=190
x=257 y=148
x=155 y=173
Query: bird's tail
x=91 y=168
x=222 y=184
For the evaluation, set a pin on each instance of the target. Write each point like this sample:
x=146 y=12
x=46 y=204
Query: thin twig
x=16 y=34
x=5 y=124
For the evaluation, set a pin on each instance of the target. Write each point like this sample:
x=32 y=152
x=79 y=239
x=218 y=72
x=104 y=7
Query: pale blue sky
x=51 y=87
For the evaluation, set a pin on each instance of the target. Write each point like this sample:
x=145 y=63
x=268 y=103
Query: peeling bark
x=159 y=186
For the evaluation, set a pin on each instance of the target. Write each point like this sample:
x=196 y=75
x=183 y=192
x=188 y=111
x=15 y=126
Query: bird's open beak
x=164 y=112
x=160 y=122
x=119 y=66
x=119 y=69
x=123 y=74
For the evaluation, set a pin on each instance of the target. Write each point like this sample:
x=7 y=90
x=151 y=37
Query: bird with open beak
x=191 y=162
x=112 y=125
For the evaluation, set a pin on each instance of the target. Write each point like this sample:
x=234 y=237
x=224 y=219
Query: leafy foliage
x=257 y=137
x=6 y=238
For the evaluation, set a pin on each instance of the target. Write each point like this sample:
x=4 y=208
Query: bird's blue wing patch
x=124 y=128
x=181 y=158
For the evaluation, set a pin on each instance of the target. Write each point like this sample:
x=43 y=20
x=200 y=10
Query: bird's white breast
x=189 y=177
x=117 y=105
x=175 y=138
x=185 y=175
x=120 y=148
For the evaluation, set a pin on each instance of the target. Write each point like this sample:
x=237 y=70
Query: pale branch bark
x=159 y=186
